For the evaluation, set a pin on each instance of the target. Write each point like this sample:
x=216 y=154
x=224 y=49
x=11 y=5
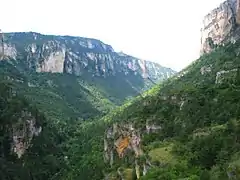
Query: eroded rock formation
x=76 y=55
x=23 y=132
x=123 y=139
x=225 y=76
x=220 y=25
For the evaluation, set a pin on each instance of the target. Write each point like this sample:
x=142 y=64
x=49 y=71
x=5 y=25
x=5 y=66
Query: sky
x=166 y=32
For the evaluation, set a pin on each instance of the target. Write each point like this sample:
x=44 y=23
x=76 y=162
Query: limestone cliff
x=23 y=132
x=76 y=55
x=27 y=139
x=19 y=125
x=221 y=25
x=123 y=141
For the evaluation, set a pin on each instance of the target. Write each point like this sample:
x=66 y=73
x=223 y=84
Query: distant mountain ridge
x=76 y=55
x=81 y=72
x=51 y=87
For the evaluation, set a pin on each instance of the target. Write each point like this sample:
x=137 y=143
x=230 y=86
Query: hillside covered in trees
x=43 y=112
x=197 y=112
x=194 y=134
x=198 y=115
x=72 y=108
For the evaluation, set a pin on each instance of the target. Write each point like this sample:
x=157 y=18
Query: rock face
x=224 y=76
x=19 y=123
x=23 y=132
x=76 y=55
x=121 y=138
x=205 y=70
x=124 y=141
x=220 y=25
x=238 y=12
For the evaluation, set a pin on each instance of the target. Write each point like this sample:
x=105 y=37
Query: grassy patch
x=163 y=154
x=128 y=174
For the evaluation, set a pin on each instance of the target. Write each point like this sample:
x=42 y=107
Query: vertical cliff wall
x=76 y=55
x=238 y=12
x=220 y=25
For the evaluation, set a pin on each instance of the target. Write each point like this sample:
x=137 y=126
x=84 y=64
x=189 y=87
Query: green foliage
x=68 y=108
x=163 y=154
x=173 y=172
x=44 y=158
x=199 y=114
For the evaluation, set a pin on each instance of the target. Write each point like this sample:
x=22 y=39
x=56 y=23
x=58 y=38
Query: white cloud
x=167 y=32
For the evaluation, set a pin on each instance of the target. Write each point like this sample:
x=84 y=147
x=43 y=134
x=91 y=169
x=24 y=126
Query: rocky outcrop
x=77 y=55
x=8 y=50
x=225 y=76
x=220 y=25
x=23 y=132
x=50 y=57
x=238 y=12
x=151 y=127
x=205 y=70
x=121 y=140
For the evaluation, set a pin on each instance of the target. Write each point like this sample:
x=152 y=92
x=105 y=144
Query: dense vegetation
x=70 y=96
x=45 y=158
x=64 y=101
x=199 y=117
x=203 y=131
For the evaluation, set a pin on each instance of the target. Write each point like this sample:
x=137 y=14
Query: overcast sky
x=167 y=32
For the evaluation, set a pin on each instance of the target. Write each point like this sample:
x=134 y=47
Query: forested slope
x=30 y=146
x=59 y=101
x=185 y=128
x=198 y=115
